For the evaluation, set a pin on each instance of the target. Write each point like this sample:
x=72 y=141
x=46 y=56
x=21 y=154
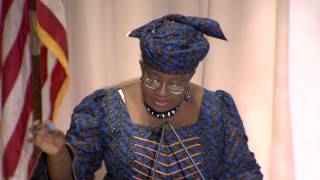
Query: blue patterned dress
x=101 y=130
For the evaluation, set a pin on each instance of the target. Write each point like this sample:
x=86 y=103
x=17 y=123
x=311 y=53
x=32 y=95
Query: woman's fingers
x=35 y=126
x=46 y=137
x=33 y=130
x=36 y=129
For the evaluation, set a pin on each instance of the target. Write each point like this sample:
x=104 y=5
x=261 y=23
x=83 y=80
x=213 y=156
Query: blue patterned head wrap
x=174 y=44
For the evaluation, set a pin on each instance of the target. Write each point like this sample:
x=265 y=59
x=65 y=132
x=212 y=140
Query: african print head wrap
x=174 y=44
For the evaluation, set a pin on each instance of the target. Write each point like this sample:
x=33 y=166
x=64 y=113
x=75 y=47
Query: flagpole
x=40 y=164
x=36 y=66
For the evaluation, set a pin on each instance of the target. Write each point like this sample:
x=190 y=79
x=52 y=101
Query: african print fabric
x=102 y=131
x=175 y=44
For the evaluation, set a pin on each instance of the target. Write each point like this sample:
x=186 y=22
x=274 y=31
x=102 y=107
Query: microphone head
x=166 y=126
x=158 y=130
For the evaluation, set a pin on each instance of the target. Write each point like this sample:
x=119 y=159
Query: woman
x=161 y=127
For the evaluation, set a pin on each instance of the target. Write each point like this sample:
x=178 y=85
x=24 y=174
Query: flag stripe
x=17 y=155
x=12 y=63
x=4 y=10
x=13 y=149
x=53 y=27
x=31 y=164
x=12 y=23
x=57 y=83
x=5 y=7
x=14 y=104
x=22 y=170
x=44 y=64
x=47 y=107
x=19 y=135
x=55 y=7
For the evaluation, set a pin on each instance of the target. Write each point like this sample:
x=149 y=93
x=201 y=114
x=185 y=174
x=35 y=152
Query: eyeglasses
x=153 y=84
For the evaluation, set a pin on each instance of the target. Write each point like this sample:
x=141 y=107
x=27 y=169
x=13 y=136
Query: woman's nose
x=162 y=91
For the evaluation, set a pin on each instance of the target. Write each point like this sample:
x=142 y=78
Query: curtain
x=304 y=85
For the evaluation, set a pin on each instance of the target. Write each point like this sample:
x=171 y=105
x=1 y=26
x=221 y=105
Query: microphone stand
x=158 y=152
x=185 y=149
x=183 y=146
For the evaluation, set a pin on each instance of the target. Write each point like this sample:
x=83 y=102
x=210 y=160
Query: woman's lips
x=159 y=102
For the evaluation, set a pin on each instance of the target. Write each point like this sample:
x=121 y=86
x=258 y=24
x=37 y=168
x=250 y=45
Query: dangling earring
x=188 y=95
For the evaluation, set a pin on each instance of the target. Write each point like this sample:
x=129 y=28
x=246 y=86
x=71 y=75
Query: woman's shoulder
x=98 y=99
x=210 y=96
x=218 y=103
x=218 y=107
x=99 y=94
x=225 y=98
x=206 y=97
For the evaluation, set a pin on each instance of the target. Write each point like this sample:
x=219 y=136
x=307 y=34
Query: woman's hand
x=46 y=138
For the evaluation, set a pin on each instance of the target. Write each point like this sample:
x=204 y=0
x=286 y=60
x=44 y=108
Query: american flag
x=17 y=155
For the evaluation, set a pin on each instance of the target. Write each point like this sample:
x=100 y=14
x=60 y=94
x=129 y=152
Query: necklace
x=162 y=115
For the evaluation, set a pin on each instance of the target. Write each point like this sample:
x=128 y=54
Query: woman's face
x=161 y=91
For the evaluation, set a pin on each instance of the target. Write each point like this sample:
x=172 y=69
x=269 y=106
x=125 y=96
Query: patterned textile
x=174 y=44
x=101 y=130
